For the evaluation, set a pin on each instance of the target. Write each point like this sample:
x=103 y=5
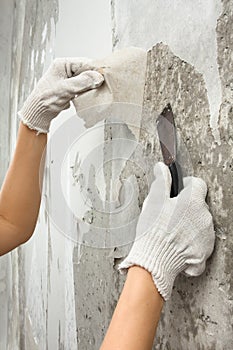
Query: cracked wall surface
x=199 y=316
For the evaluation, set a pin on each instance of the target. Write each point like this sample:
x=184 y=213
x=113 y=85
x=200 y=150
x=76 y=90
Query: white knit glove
x=173 y=234
x=65 y=78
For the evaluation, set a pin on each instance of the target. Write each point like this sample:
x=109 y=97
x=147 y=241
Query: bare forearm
x=20 y=194
x=135 y=319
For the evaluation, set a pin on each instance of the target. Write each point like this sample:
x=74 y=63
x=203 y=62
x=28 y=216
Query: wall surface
x=39 y=292
x=190 y=66
x=56 y=293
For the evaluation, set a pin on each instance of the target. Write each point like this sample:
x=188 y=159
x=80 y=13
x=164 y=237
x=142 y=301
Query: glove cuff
x=34 y=114
x=158 y=257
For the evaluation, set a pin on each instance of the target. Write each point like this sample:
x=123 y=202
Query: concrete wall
x=54 y=292
x=190 y=66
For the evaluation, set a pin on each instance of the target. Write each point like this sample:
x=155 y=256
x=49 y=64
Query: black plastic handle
x=177 y=179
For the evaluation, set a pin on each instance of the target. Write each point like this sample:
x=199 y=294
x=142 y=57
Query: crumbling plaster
x=191 y=69
x=58 y=294
x=37 y=296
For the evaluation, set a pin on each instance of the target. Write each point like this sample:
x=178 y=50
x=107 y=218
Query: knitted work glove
x=173 y=234
x=65 y=78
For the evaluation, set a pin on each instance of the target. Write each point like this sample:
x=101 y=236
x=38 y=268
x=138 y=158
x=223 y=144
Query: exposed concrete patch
x=97 y=288
x=201 y=308
x=225 y=62
x=97 y=281
x=194 y=318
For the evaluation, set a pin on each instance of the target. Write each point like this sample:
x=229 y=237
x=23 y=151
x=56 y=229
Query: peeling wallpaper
x=188 y=27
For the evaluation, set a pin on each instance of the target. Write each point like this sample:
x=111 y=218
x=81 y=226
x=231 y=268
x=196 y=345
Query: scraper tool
x=168 y=142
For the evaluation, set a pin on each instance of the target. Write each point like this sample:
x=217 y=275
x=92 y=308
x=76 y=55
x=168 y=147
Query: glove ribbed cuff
x=159 y=258
x=34 y=114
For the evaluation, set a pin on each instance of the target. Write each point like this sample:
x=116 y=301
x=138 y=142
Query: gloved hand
x=173 y=234
x=65 y=78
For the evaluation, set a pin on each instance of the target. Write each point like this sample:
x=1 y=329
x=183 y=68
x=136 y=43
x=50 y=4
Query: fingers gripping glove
x=173 y=234
x=66 y=78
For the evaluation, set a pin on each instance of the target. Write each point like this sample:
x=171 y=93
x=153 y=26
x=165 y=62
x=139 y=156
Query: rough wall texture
x=194 y=318
x=25 y=29
x=40 y=286
x=201 y=308
x=57 y=294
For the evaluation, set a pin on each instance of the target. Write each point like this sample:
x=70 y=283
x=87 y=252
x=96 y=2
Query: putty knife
x=168 y=142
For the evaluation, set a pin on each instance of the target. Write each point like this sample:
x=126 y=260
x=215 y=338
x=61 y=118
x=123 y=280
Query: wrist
x=142 y=287
x=35 y=114
x=30 y=140
x=157 y=253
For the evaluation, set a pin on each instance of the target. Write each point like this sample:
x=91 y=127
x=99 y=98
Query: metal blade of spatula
x=168 y=142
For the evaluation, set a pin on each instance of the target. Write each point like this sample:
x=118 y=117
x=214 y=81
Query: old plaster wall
x=37 y=287
x=56 y=293
x=22 y=55
x=190 y=66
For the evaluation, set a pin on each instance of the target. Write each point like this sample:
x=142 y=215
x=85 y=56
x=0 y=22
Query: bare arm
x=20 y=194
x=135 y=319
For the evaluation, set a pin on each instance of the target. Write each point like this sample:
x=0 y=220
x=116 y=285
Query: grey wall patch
x=194 y=315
